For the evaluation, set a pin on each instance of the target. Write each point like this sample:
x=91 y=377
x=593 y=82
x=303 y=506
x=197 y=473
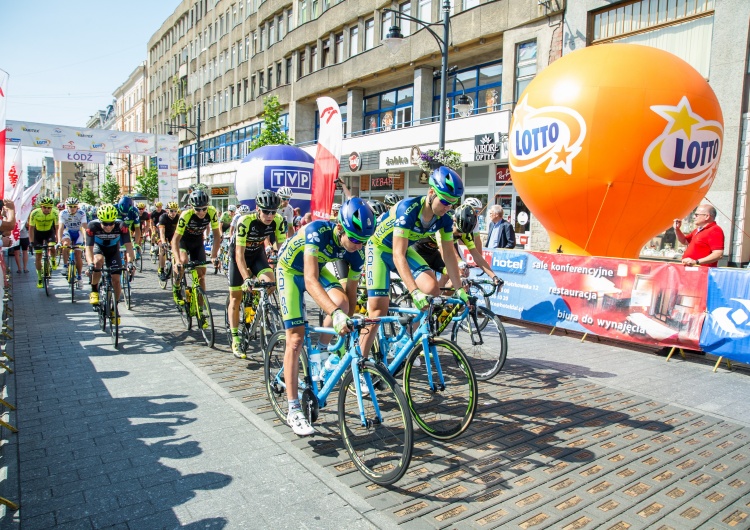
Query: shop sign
x=381 y=183
x=490 y=146
x=222 y=191
x=395 y=158
x=502 y=174
x=355 y=161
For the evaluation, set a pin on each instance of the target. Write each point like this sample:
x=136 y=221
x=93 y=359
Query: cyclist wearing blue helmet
x=391 y=247
x=300 y=268
x=130 y=215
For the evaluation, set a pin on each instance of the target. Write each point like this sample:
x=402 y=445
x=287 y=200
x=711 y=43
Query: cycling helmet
x=46 y=201
x=198 y=199
x=357 y=218
x=267 y=200
x=474 y=203
x=125 y=203
x=447 y=184
x=158 y=204
x=141 y=205
x=231 y=208
x=377 y=207
x=335 y=207
x=195 y=187
x=243 y=209
x=107 y=213
x=285 y=193
x=71 y=201
x=465 y=218
x=391 y=199
x=173 y=205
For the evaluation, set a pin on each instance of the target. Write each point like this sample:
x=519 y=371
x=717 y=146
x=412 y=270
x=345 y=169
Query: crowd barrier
x=640 y=301
x=6 y=408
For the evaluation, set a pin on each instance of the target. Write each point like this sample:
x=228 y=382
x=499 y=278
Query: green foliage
x=180 y=106
x=87 y=195
x=147 y=183
x=271 y=133
x=110 y=189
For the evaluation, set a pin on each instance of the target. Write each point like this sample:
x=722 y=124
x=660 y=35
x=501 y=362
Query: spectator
x=21 y=247
x=307 y=218
x=500 y=233
x=705 y=244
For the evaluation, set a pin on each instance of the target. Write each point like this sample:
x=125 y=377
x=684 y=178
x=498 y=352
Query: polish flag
x=14 y=178
x=326 y=167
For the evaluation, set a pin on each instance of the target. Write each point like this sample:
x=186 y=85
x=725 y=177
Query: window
x=261 y=83
x=301 y=65
x=353 y=41
x=389 y=110
x=289 y=21
x=525 y=66
x=255 y=42
x=302 y=11
x=638 y=16
x=325 y=58
x=279 y=81
x=313 y=58
x=424 y=10
x=468 y=4
x=252 y=87
x=405 y=9
x=280 y=26
x=244 y=90
x=262 y=39
x=385 y=24
x=270 y=77
x=369 y=33
x=481 y=83
x=338 y=52
x=271 y=33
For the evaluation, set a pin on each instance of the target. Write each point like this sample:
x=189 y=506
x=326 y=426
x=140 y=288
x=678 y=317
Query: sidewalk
x=165 y=433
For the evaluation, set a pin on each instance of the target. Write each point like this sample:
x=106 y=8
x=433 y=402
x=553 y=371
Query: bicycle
x=438 y=378
x=481 y=333
x=167 y=272
x=125 y=280
x=374 y=422
x=107 y=310
x=153 y=249
x=47 y=266
x=72 y=274
x=223 y=258
x=192 y=301
x=138 y=258
x=259 y=318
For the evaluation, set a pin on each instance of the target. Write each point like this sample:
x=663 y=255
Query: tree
x=271 y=133
x=87 y=195
x=147 y=183
x=110 y=189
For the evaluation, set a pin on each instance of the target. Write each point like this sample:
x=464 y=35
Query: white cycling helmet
x=243 y=209
x=285 y=193
x=231 y=207
x=335 y=207
x=474 y=203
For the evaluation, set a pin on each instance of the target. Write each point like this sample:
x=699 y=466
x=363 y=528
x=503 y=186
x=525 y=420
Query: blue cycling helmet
x=447 y=184
x=125 y=203
x=357 y=218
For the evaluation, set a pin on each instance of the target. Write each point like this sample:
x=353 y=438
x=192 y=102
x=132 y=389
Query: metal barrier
x=6 y=335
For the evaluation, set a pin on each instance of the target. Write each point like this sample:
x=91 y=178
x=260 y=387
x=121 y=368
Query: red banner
x=326 y=168
x=647 y=302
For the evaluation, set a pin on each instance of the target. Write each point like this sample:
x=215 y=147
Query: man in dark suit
x=500 y=233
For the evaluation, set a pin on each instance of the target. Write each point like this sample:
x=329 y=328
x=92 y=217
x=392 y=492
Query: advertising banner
x=166 y=165
x=326 y=168
x=638 y=301
x=726 y=331
x=68 y=155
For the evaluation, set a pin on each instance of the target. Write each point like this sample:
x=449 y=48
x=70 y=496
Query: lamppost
x=197 y=136
x=130 y=171
x=394 y=40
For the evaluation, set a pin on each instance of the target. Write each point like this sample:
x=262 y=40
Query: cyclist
x=285 y=209
x=145 y=219
x=43 y=228
x=391 y=199
x=132 y=219
x=187 y=242
x=226 y=220
x=301 y=268
x=390 y=249
x=378 y=207
x=103 y=240
x=157 y=211
x=335 y=208
x=247 y=255
x=242 y=209
x=476 y=204
x=71 y=226
x=167 y=226
x=60 y=206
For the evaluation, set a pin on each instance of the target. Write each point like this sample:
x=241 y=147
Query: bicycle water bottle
x=249 y=315
x=330 y=366
x=315 y=366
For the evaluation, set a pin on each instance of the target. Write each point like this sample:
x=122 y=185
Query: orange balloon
x=611 y=143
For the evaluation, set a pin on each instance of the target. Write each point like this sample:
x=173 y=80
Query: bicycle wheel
x=72 y=281
x=58 y=258
x=101 y=308
x=125 y=282
x=184 y=308
x=489 y=354
x=442 y=413
x=270 y=324
x=45 y=274
x=381 y=450
x=273 y=373
x=114 y=317
x=154 y=254
x=204 y=318
x=482 y=301
x=139 y=262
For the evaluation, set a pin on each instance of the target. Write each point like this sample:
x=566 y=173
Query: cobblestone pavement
x=165 y=432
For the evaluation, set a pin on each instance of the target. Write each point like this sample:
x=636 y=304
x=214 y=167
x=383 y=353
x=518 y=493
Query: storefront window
x=481 y=83
x=389 y=110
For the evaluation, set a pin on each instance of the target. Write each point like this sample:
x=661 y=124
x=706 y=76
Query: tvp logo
x=298 y=179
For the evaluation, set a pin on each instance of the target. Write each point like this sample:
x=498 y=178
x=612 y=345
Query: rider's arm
x=400 y=246
x=59 y=228
x=89 y=247
x=163 y=233
x=351 y=294
x=313 y=285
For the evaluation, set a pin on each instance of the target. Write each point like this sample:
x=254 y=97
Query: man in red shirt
x=705 y=244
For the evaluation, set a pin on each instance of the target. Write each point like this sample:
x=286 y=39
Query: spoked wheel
x=381 y=445
x=184 y=308
x=167 y=279
x=270 y=324
x=204 y=318
x=442 y=413
x=483 y=301
x=486 y=346
x=101 y=310
x=46 y=276
x=72 y=281
x=273 y=371
x=114 y=318
x=125 y=282
x=139 y=261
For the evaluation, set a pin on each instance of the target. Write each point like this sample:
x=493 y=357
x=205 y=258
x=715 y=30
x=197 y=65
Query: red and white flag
x=14 y=179
x=3 y=103
x=23 y=209
x=326 y=168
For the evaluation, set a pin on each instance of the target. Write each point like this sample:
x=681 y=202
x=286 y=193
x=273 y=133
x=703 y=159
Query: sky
x=65 y=59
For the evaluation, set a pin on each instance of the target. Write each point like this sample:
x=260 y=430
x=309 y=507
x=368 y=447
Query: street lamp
x=197 y=136
x=394 y=40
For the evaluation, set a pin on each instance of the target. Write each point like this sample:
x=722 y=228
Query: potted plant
x=434 y=158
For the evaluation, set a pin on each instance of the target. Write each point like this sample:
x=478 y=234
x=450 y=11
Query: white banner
x=92 y=157
x=166 y=165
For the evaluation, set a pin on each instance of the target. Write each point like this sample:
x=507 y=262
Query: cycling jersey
x=169 y=224
x=429 y=243
x=287 y=212
x=145 y=216
x=404 y=220
x=72 y=221
x=225 y=220
x=96 y=236
x=251 y=232
x=156 y=214
x=131 y=217
x=191 y=226
x=41 y=221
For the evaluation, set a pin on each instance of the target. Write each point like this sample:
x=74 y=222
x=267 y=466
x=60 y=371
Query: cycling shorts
x=75 y=236
x=256 y=261
x=380 y=265
x=194 y=247
x=112 y=256
x=40 y=236
x=433 y=258
x=291 y=288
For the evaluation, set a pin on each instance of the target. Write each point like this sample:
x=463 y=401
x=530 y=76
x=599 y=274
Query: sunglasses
x=72 y=206
x=201 y=209
x=447 y=203
x=141 y=209
x=268 y=212
x=112 y=223
x=172 y=211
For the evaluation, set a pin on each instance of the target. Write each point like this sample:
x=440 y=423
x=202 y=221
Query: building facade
x=130 y=109
x=226 y=56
